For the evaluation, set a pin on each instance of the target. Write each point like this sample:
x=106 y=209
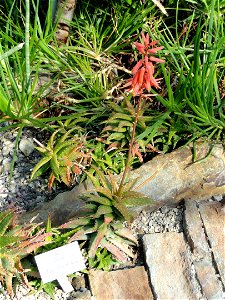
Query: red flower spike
x=143 y=71
x=156 y=59
x=147 y=82
x=154 y=50
x=141 y=76
x=137 y=66
x=140 y=47
x=153 y=43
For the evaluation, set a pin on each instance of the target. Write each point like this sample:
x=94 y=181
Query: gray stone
x=202 y=256
x=26 y=146
x=65 y=206
x=6 y=163
x=167 y=179
x=169 y=266
x=213 y=218
x=177 y=178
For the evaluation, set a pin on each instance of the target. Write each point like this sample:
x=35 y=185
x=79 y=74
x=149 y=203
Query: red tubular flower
x=143 y=71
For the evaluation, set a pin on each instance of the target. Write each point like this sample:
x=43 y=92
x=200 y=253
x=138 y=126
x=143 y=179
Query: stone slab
x=126 y=284
x=206 y=273
x=213 y=218
x=168 y=264
x=166 y=179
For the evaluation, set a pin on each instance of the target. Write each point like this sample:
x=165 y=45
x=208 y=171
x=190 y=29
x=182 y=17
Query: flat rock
x=64 y=207
x=166 y=179
x=169 y=266
x=197 y=217
x=123 y=284
x=213 y=218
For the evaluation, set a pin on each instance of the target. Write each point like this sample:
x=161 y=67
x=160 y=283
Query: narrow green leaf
x=102 y=210
x=99 y=199
x=42 y=162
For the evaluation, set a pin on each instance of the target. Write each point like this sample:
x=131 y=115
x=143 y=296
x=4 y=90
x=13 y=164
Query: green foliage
x=103 y=260
x=194 y=76
x=16 y=242
x=105 y=211
x=66 y=156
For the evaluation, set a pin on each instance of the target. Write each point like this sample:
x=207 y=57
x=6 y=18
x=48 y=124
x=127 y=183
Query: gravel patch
x=165 y=219
x=21 y=191
x=24 y=293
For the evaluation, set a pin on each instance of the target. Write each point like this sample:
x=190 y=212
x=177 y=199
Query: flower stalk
x=142 y=80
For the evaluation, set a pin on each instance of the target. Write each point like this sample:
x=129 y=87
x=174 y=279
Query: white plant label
x=56 y=264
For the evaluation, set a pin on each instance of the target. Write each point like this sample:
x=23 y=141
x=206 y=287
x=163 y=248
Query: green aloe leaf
x=99 y=199
x=120 y=116
x=115 y=136
x=103 y=180
x=45 y=160
x=102 y=210
x=123 y=211
x=136 y=199
x=6 y=219
x=6 y=240
x=105 y=191
x=126 y=233
x=76 y=223
x=55 y=165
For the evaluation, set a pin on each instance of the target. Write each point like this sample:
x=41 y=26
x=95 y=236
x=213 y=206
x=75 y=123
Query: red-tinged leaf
x=68 y=178
x=97 y=240
x=81 y=233
x=76 y=223
x=115 y=251
x=108 y=218
x=120 y=243
x=135 y=152
x=137 y=67
x=33 y=247
x=155 y=50
x=156 y=59
x=152 y=148
x=50 y=181
x=76 y=170
x=8 y=283
x=127 y=233
x=66 y=162
x=113 y=146
x=140 y=47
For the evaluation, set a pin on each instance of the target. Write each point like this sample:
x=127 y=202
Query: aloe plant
x=65 y=155
x=106 y=210
x=16 y=242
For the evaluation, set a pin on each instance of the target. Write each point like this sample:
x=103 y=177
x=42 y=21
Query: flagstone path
x=179 y=266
